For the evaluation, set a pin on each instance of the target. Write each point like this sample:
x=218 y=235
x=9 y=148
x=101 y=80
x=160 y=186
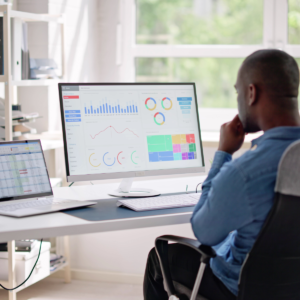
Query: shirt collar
x=282 y=133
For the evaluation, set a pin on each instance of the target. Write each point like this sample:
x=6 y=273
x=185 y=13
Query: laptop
x=25 y=187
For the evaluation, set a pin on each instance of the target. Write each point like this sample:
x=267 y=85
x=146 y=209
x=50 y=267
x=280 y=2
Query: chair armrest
x=206 y=252
x=161 y=246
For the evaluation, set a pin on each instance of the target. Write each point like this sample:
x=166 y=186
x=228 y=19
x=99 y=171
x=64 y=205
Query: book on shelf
x=25 y=53
x=56 y=261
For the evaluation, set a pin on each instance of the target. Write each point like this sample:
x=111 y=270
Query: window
x=294 y=22
x=206 y=41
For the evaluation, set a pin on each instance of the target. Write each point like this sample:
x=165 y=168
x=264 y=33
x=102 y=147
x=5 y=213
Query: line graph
x=111 y=128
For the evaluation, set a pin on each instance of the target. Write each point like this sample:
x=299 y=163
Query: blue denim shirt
x=236 y=199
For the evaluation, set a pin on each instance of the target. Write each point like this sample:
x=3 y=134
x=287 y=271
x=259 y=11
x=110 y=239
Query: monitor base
x=135 y=192
x=125 y=190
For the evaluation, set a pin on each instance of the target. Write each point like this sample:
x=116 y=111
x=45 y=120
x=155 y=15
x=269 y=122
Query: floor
x=53 y=288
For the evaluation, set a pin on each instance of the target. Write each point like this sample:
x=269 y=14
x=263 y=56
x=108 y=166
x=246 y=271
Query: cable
x=197 y=186
x=29 y=274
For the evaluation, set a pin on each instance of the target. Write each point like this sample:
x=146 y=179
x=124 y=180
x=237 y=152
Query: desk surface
x=60 y=224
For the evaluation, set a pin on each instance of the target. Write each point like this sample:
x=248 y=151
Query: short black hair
x=273 y=69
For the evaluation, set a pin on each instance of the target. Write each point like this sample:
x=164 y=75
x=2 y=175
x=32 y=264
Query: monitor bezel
x=131 y=174
x=34 y=196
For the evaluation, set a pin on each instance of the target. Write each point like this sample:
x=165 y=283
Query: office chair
x=271 y=269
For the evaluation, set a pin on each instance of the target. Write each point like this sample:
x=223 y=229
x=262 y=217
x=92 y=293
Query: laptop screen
x=23 y=171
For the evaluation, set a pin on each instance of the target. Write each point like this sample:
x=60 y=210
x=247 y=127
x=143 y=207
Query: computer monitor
x=128 y=130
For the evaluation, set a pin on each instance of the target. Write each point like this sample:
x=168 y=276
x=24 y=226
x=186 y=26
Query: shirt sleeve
x=223 y=205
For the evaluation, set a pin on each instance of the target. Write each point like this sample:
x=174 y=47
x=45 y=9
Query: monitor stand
x=125 y=190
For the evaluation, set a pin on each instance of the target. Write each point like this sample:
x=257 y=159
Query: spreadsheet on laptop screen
x=22 y=170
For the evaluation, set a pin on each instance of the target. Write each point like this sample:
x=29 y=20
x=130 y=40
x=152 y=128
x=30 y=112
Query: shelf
x=42 y=82
x=30 y=17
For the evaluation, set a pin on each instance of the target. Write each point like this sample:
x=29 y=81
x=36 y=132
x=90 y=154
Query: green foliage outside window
x=294 y=21
x=214 y=77
x=198 y=22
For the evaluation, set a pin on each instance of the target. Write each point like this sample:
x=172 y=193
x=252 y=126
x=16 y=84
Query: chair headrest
x=288 y=175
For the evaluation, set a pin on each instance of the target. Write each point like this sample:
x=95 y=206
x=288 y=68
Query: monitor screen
x=129 y=130
x=23 y=171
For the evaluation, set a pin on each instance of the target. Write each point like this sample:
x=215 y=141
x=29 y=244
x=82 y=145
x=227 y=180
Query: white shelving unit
x=12 y=295
x=7 y=13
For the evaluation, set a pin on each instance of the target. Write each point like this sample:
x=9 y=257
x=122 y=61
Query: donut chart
x=108 y=159
x=166 y=99
x=135 y=157
x=121 y=158
x=149 y=100
x=91 y=161
x=156 y=116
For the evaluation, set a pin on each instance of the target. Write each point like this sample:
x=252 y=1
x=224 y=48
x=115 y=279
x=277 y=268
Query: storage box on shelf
x=24 y=263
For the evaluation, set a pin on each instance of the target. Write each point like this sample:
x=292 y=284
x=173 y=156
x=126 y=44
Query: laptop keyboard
x=32 y=204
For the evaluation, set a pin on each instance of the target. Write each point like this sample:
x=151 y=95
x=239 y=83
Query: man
x=238 y=195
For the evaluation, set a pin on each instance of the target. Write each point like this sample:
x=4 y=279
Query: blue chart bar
x=184 y=98
x=185 y=105
x=111 y=108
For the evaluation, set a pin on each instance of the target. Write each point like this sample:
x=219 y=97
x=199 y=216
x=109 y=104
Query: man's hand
x=232 y=136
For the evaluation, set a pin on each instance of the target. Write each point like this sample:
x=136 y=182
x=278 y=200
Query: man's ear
x=252 y=94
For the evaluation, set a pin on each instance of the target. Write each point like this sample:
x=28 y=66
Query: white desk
x=60 y=224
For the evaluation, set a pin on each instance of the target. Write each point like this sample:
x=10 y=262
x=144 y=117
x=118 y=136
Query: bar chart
x=106 y=107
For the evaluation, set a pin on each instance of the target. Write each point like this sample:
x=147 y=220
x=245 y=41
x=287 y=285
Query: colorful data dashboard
x=128 y=127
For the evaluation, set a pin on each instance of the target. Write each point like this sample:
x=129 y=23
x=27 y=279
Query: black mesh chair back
x=272 y=267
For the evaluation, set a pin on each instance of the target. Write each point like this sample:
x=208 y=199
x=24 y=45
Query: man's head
x=267 y=85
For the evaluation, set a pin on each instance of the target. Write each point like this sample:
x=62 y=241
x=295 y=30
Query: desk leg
x=67 y=256
x=12 y=295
